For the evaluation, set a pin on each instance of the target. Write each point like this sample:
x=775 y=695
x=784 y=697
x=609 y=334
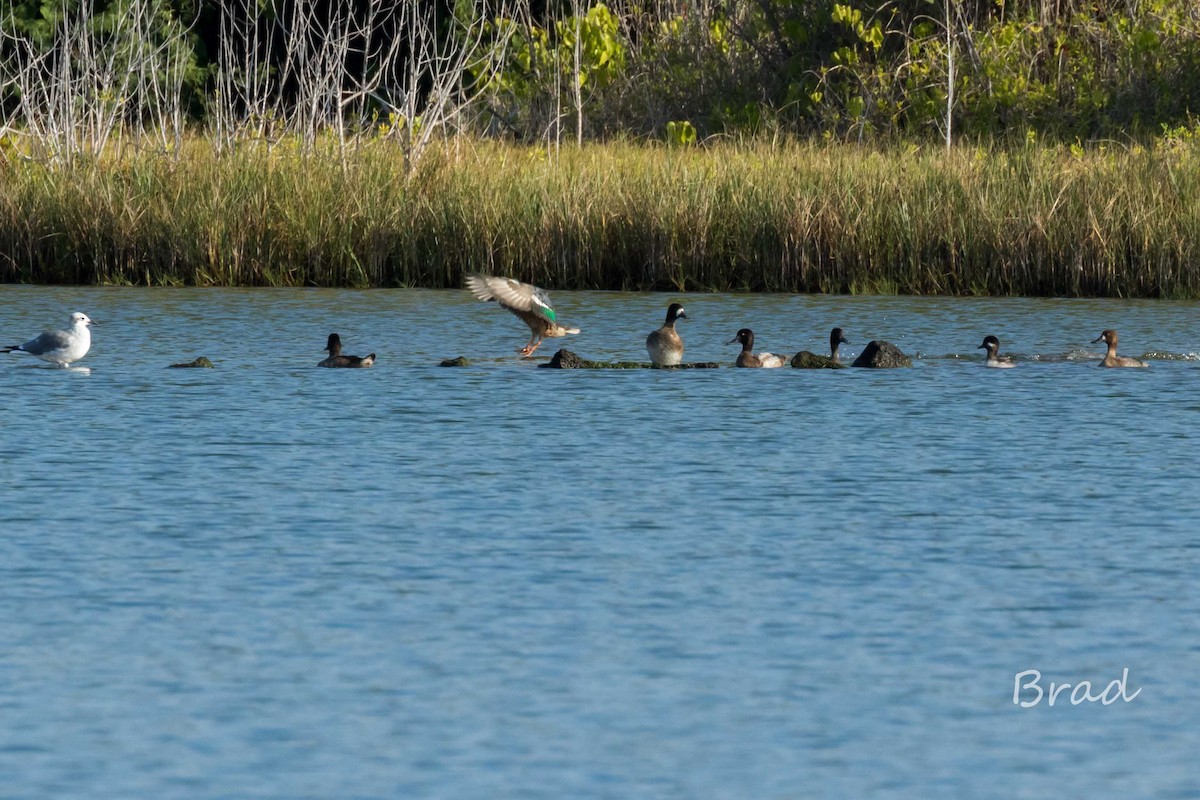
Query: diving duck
x=336 y=359
x=1111 y=359
x=747 y=358
x=59 y=347
x=836 y=338
x=665 y=345
x=992 y=345
x=528 y=302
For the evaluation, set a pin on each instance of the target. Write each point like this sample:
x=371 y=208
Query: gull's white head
x=79 y=318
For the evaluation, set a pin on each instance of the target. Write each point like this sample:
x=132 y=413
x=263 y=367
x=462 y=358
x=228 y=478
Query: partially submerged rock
x=882 y=355
x=455 y=362
x=199 y=363
x=807 y=360
x=565 y=359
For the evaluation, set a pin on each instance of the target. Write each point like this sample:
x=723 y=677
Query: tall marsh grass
x=797 y=217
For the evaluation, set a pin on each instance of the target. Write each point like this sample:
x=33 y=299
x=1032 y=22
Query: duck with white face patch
x=994 y=359
x=665 y=345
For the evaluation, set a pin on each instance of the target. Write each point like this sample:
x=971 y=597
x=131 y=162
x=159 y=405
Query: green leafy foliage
x=681 y=134
x=832 y=69
x=544 y=65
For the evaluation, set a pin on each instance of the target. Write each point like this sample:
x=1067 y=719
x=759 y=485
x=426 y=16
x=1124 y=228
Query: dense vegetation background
x=971 y=146
x=852 y=70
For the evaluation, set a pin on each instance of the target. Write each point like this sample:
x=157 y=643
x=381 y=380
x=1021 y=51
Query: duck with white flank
x=1111 y=359
x=336 y=359
x=665 y=345
x=994 y=359
x=836 y=338
x=528 y=302
x=59 y=347
x=747 y=358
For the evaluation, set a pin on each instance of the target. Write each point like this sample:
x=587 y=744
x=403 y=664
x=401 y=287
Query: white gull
x=59 y=347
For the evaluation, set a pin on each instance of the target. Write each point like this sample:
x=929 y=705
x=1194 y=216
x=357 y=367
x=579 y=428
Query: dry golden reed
x=752 y=216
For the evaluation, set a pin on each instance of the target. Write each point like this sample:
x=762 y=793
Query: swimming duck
x=665 y=345
x=529 y=303
x=992 y=345
x=836 y=338
x=336 y=359
x=59 y=347
x=747 y=358
x=1109 y=337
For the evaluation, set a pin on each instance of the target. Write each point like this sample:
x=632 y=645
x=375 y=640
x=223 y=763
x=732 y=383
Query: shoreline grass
x=1033 y=221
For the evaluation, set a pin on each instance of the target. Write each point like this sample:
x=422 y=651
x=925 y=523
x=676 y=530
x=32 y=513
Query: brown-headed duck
x=836 y=337
x=336 y=359
x=1111 y=359
x=747 y=358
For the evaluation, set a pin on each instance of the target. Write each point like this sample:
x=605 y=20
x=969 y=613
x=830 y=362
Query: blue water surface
x=272 y=580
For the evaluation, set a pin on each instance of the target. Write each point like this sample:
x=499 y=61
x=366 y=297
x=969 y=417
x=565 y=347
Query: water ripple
x=268 y=579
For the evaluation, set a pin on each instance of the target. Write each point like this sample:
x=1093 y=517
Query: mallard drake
x=665 y=345
x=836 y=338
x=336 y=359
x=1111 y=359
x=528 y=302
x=59 y=347
x=747 y=358
x=992 y=345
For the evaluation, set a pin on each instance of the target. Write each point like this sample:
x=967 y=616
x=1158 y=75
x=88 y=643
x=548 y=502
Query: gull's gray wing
x=47 y=342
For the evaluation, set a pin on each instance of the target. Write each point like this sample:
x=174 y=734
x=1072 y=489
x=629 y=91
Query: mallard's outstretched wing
x=513 y=295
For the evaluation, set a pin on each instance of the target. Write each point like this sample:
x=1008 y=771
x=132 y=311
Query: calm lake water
x=273 y=580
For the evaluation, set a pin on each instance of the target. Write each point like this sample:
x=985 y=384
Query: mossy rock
x=199 y=363
x=882 y=355
x=566 y=359
x=807 y=360
x=455 y=362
